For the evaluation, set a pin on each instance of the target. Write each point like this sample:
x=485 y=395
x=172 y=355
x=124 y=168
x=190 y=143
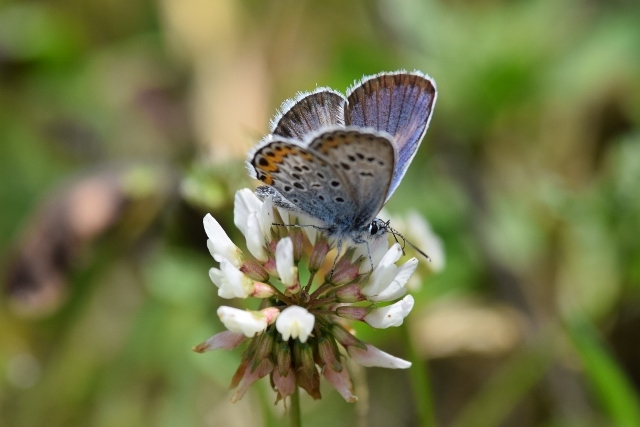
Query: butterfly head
x=379 y=227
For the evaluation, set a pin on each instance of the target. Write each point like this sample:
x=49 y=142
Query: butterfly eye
x=373 y=228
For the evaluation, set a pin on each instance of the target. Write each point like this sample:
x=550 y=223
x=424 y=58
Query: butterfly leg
x=335 y=260
x=360 y=240
x=317 y=227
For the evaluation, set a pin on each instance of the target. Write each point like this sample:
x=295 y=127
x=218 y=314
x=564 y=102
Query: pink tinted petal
x=250 y=377
x=285 y=385
x=341 y=381
x=226 y=340
x=375 y=357
x=271 y=313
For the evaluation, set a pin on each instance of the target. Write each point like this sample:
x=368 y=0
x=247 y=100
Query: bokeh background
x=123 y=122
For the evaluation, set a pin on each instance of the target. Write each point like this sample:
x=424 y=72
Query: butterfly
x=339 y=159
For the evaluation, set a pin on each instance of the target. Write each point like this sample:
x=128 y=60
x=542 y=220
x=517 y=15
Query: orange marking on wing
x=271 y=167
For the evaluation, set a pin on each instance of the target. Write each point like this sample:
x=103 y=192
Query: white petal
x=231 y=282
x=391 y=257
x=295 y=322
x=219 y=243
x=373 y=356
x=384 y=273
x=284 y=262
x=247 y=322
x=310 y=226
x=397 y=287
x=245 y=202
x=266 y=217
x=216 y=276
x=392 y=315
x=378 y=247
x=255 y=238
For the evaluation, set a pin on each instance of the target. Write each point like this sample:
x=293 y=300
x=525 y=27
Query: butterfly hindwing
x=398 y=103
x=302 y=177
x=364 y=162
x=309 y=112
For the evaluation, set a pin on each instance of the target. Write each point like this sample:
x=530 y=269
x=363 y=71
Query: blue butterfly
x=340 y=159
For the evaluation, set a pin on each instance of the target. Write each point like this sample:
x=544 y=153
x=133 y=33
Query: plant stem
x=294 y=410
x=420 y=383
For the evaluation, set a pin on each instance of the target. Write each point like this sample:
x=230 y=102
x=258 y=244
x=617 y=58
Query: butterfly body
x=339 y=159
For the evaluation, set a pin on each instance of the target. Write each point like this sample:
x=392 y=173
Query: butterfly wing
x=364 y=160
x=398 y=103
x=308 y=113
x=302 y=177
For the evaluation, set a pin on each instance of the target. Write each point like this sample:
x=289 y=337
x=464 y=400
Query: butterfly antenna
x=396 y=234
x=388 y=228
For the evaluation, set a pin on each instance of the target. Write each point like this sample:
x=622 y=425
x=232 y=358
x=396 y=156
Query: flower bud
x=345 y=338
x=283 y=357
x=271 y=314
x=328 y=353
x=262 y=290
x=307 y=375
x=297 y=237
x=353 y=312
x=254 y=270
x=319 y=253
x=345 y=270
x=350 y=293
x=265 y=346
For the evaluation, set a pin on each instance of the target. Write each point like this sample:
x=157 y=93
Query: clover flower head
x=299 y=331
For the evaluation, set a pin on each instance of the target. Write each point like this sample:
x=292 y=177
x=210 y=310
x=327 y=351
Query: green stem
x=296 y=419
x=420 y=383
x=319 y=291
x=279 y=295
x=310 y=281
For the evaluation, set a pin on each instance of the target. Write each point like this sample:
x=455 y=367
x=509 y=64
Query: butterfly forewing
x=397 y=103
x=304 y=178
x=310 y=113
x=364 y=163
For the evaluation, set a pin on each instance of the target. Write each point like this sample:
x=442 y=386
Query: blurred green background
x=123 y=122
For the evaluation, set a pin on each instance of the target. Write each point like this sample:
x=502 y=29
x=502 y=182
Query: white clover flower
x=287 y=271
x=255 y=237
x=387 y=281
x=297 y=335
x=245 y=203
x=246 y=322
x=231 y=282
x=373 y=356
x=219 y=244
x=392 y=315
x=295 y=322
x=378 y=292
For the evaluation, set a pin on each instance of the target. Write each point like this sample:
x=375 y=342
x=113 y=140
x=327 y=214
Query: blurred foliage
x=122 y=123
